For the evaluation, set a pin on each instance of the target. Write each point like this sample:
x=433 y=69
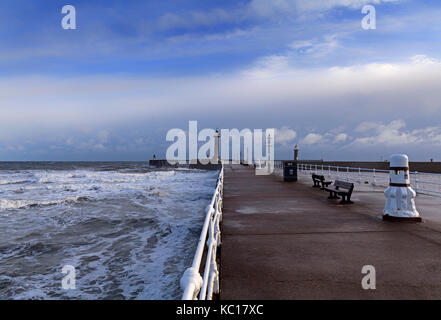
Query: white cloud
x=275 y=8
x=326 y=138
x=326 y=97
x=195 y=19
x=395 y=133
x=269 y=66
x=283 y=64
x=316 y=48
x=285 y=135
x=312 y=5
x=390 y=134
x=269 y=9
x=421 y=59
x=301 y=44
x=256 y=9
x=313 y=138
x=341 y=137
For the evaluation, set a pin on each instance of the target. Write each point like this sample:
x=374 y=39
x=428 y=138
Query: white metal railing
x=421 y=182
x=429 y=183
x=276 y=164
x=192 y=282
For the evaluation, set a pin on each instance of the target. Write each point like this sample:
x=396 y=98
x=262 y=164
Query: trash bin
x=289 y=171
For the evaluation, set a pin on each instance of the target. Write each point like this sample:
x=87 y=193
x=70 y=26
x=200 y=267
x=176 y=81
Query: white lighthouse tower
x=400 y=197
x=216 y=159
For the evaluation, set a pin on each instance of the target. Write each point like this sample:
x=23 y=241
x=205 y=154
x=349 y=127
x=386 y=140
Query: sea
x=129 y=230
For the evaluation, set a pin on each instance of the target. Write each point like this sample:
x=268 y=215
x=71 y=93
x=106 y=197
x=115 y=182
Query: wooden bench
x=341 y=188
x=320 y=182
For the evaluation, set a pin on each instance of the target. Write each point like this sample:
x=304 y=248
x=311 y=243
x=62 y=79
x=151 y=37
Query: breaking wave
x=129 y=230
x=19 y=204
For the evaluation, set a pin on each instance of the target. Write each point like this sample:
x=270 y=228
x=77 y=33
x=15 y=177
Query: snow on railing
x=429 y=183
x=194 y=285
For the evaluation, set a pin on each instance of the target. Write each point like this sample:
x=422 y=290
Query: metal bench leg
x=343 y=200
x=333 y=195
x=346 y=200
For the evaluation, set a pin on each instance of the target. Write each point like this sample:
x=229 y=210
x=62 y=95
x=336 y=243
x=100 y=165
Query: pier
x=288 y=241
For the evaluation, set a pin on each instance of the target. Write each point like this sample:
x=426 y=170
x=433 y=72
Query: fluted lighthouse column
x=216 y=159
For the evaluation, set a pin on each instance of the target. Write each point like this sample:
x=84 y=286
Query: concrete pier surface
x=288 y=241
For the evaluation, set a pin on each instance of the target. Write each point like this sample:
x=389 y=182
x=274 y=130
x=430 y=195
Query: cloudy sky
x=132 y=70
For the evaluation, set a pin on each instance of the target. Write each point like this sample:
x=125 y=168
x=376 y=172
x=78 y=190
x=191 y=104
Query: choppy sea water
x=128 y=229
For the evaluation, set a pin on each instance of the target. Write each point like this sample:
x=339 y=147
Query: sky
x=132 y=70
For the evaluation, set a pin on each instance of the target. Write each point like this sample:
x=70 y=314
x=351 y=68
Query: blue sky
x=132 y=70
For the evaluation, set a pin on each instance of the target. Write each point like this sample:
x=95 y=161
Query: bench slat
x=343 y=184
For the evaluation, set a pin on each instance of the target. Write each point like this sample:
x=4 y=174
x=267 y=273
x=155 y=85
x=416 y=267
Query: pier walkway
x=288 y=241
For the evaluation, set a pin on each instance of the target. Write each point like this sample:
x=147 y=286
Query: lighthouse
x=216 y=159
x=296 y=153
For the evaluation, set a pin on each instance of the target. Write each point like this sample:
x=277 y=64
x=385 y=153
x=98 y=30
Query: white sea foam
x=129 y=234
x=6 y=182
x=19 y=204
